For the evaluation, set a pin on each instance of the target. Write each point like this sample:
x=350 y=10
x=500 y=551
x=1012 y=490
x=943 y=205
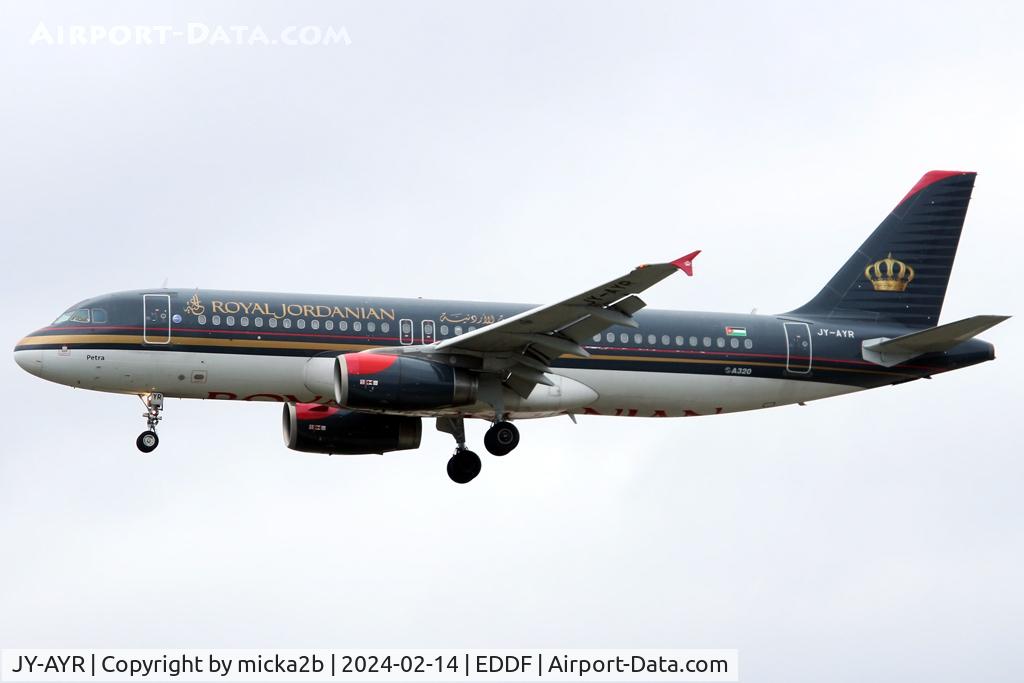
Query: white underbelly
x=180 y=374
x=665 y=394
x=245 y=377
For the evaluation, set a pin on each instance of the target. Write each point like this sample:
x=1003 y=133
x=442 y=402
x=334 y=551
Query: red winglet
x=685 y=263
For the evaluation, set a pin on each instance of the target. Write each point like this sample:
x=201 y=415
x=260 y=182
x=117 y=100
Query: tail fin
x=901 y=271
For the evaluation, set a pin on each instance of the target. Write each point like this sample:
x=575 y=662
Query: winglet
x=685 y=263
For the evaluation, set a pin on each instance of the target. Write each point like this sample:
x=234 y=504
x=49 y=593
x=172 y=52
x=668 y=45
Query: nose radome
x=30 y=360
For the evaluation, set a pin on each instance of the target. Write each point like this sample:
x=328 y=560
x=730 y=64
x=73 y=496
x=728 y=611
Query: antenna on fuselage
x=164 y=285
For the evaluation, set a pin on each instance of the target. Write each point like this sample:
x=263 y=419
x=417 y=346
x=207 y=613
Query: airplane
x=357 y=375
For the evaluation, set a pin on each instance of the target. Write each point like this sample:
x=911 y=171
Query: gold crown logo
x=889 y=274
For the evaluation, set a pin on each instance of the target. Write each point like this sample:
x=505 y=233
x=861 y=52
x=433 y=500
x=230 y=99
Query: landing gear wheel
x=147 y=441
x=501 y=438
x=463 y=466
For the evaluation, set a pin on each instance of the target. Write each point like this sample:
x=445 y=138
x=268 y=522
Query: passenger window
x=444 y=330
x=458 y=330
x=693 y=341
x=651 y=339
x=258 y=322
x=329 y=325
x=472 y=328
x=610 y=336
x=244 y=321
x=201 y=319
x=371 y=327
x=357 y=326
x=230 y=320
x=385 y=328
x=300 y=323
x=748 y=343
x=624 y=338
x=315 y=324
x=272 y=322
x=286 y=323
x=597 y=337
x=707 y=342
x=664 y=340
x=99 y=315
x=720 y=343
x=679 y=340
x=80 y=316
x=734 y=343
x=638 y=338
x=216 y=320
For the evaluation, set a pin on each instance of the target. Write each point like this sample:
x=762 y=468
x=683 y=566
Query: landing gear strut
x=464 y=464
x=148 y=440
x=501 y=438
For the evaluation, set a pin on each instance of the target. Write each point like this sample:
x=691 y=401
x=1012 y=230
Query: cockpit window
x=99 y=315
x=63 y=317
x=80 y=316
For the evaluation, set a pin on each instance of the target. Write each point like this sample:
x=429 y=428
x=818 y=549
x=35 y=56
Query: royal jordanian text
x=384 y=665
x=308 y=310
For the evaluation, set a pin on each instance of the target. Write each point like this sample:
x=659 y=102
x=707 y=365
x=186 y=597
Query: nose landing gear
x=148 y=440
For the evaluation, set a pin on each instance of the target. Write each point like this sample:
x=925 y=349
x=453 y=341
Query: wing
x=522 y=347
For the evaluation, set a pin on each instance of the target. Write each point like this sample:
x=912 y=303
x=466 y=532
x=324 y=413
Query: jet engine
x=315 y=428
x=372 y=381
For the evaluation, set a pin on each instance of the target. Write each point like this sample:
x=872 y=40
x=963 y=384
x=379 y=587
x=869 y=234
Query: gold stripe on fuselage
x=180 y=340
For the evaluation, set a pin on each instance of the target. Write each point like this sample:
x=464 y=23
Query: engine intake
x=391 y=382
x=315 y=428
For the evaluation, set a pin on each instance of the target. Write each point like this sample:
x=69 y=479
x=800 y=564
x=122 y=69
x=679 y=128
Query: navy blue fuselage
x=788 y=346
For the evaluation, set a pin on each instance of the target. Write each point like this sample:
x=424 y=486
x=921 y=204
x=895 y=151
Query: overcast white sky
x=518 y=151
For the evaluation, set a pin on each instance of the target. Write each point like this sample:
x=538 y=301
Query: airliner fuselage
x=358 y=374
x=257 y=346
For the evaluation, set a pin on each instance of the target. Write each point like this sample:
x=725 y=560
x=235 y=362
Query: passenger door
x=156 y=318
x=798 y=347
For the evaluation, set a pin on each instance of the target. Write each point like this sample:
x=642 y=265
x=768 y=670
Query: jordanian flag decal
x=736 y=331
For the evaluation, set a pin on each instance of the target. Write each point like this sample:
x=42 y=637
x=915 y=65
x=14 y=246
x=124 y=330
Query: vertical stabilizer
x=901 y=271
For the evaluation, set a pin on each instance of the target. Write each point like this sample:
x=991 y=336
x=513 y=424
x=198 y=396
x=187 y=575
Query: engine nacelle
x=372 y=381
x=314 y=428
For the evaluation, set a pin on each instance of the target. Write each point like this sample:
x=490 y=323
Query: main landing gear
x=464 y=464
x=501 y=438
x=148 y=440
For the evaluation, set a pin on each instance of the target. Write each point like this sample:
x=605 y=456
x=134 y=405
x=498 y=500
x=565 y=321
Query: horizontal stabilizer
x=890 y=352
